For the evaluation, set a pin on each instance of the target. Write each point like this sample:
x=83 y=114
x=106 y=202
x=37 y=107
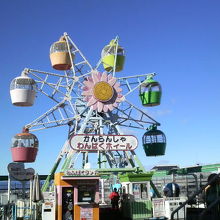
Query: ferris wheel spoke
x=48 y=87
x=41 y=124
x=142 y=115
x=67 y=163
x=63 y=88
x=127 y=156
x=56 y=116
x=81 y=64
x=123 y=117
x=33 y=71
x=110 y=158
x=67 y=73
x=131 y=116
x=80 y=67
x=131 y=83
x=61 y=114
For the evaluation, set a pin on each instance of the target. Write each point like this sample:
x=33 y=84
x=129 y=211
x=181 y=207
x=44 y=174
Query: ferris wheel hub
x=103 y=91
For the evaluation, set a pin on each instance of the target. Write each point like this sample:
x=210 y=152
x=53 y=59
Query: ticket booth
x=77 y=195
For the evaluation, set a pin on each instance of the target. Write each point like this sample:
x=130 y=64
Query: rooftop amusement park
x=93 y=103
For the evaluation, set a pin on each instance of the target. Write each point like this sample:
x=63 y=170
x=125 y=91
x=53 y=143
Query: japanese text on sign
x=81 y=173
x=103 y=142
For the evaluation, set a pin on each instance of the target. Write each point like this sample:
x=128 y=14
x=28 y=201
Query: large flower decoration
x=102 y=91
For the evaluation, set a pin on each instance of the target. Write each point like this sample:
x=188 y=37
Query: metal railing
x=194 y=197
x=12 y=212
x=8 y=212
x=215 y=213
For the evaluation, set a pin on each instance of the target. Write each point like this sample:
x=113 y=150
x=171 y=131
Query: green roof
x=187 y=170
x=135 y=177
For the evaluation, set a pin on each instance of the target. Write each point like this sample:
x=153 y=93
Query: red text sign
x=89 y=142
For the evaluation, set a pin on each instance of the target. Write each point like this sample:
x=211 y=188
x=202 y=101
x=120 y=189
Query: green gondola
x=109 y=54
x=150 y=92
x=154 y=142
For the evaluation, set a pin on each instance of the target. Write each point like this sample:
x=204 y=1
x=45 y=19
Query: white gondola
x=23 y=91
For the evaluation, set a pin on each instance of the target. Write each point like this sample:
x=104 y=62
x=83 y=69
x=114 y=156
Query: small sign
x=136 y=191
x=86 y=213
x=81 y=173
x=18 y=172
x=158 y=207
x=90 y=142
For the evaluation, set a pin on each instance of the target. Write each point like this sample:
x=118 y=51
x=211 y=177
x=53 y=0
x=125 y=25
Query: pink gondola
x=24 y=147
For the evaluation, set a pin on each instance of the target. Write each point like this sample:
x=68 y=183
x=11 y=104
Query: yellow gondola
x=109 y=54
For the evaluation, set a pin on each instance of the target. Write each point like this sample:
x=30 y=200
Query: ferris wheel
x=94 y=103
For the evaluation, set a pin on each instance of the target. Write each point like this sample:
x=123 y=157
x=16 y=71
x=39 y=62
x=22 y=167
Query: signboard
x=18 y=172
x=158 y=207
x=136 y=190
x=81 y=173
x=90 y=142
x=86 y=213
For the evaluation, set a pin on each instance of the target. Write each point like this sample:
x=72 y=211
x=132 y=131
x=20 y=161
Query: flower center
x=103 y=91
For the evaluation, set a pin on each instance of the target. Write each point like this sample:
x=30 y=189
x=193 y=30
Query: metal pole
x=103 y=194
x=15 y=212
x=100 y=153
x=9 y=187
x=30 y=197
x=23 y=189
x=100 y=165
x=115 y=60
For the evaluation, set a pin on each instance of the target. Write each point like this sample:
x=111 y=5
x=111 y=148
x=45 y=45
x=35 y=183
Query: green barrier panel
x=137 y=210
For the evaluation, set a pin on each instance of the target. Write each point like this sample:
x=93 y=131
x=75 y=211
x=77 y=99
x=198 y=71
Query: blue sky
x=178 y=39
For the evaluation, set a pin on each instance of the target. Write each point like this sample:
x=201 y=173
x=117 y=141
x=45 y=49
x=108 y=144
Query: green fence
x=137 y=210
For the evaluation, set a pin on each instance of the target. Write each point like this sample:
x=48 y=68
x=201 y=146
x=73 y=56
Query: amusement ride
x=94 y=103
